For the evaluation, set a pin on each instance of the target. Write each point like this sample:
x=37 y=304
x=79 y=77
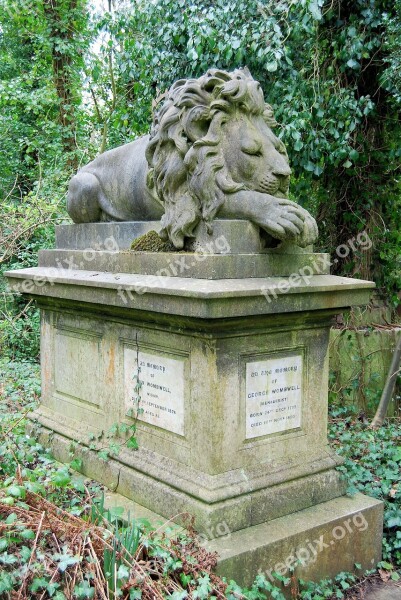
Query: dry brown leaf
x=384 y=575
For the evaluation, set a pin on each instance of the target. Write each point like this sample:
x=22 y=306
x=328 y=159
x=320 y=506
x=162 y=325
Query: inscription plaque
x=273 y=390
x=162 y=389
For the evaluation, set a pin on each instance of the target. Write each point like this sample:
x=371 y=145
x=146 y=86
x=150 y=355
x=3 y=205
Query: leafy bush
x=19 y=317
x=26 y=226
x=373 y=466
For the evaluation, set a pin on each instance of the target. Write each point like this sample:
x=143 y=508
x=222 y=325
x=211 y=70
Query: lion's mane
x=186 y=165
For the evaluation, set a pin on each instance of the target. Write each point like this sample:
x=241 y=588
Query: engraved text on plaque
x=273 y=395
x=162 y=389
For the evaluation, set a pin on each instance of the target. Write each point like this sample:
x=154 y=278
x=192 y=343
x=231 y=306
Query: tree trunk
x=59 y=17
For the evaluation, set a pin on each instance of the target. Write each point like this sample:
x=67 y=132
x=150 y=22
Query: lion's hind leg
x=83 y=200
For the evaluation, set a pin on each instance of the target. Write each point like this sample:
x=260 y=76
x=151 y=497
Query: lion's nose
x=282 y=170
x=284 y=181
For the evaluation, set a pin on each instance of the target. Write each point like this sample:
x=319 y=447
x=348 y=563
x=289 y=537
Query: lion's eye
x=256 y=151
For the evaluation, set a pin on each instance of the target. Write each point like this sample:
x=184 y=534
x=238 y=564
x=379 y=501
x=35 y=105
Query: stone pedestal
x=231 y=349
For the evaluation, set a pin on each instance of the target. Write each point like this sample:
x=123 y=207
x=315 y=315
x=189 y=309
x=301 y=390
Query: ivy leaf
x=17 y=491
x=52 y=587
x=61 y=478
x=271 y=66
x=38 y=583
x=132 y=443
x=76 y=464
x=6 y=582
x=84 y=590
x=66 y=560
x=8 y=501
x=11 y=519
x=35 y=487
x=315 y=10
x=185 y=579
x=25 y=553
x=79 y=486
x=192 y=54
x=8 y=559
x=353 y=64
x=3 y=544
x=27 y=534
x=123 y=572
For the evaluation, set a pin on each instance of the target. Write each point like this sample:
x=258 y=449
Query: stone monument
x=213 y=337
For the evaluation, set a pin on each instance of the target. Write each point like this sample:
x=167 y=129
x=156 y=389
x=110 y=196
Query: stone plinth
x=318 y=542
x=233 y=401
x=240 y=237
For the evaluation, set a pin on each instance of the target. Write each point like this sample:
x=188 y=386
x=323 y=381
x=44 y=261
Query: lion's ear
x=196 y=123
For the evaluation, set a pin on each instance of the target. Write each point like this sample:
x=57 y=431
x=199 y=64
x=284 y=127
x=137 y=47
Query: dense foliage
x=372 y=466
x=330 y=70
x=75 y=80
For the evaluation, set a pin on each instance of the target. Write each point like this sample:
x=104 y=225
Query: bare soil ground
x=375 y=588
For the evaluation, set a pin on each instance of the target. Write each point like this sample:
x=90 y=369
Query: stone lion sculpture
x=211 y=153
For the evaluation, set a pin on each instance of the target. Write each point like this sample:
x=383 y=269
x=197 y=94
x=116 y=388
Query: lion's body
x=113 y=187
x=211 y=152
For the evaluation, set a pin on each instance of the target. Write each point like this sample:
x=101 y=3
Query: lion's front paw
x=309 y=232
x=287 y=221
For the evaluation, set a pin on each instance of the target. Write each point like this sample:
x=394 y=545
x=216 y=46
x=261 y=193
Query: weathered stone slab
x=233 y=236
x=189 y=264
x=197 y=298
x=380 y=590
x=360 y=360
x=318 y=542
x=102 y=236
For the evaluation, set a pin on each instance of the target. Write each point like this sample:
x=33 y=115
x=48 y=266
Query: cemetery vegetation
x=76 y=80
x=57 y=539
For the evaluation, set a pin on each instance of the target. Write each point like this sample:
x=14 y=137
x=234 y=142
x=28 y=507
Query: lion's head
x=212 y=137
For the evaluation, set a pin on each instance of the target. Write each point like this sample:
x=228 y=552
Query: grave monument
x=212 y=336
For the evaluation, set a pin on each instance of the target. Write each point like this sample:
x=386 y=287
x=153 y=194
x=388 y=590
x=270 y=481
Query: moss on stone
x=151 y=242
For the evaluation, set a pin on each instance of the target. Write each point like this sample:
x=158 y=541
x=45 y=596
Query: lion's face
x=254 y=156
